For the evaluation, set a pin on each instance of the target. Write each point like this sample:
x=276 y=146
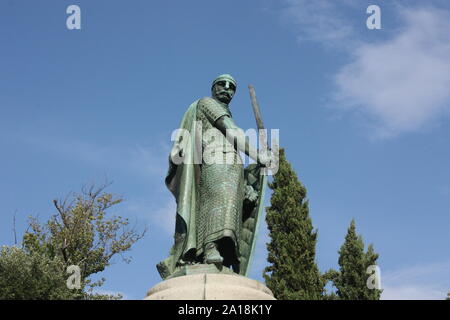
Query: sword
x=258 y=118
x=263 y=172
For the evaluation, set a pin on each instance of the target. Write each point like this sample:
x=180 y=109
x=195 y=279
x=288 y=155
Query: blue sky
x=363 y=115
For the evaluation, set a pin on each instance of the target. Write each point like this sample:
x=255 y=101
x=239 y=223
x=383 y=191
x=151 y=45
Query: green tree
x=81 y=233
x=448 y=296
x=25 y=275
x=352 y=277
x=292 y=273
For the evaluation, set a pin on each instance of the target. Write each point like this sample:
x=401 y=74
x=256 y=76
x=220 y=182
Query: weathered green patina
x=218 y=202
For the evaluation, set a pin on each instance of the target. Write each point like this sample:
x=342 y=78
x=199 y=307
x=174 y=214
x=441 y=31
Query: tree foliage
x=352 y=277
x=292 y=273
x=81 y=233
x=30 y=275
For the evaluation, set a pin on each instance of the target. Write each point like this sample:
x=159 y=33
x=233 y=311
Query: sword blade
x=258 y=118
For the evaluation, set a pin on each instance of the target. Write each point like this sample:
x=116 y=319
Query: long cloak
x=182 y=180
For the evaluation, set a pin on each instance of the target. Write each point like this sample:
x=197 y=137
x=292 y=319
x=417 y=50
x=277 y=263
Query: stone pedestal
x=210 y=287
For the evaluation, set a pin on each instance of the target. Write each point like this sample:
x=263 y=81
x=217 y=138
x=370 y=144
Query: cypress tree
x=292 y=273
x=371 y=259
x=351 y=280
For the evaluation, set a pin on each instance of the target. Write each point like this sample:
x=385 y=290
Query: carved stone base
x=210 y=287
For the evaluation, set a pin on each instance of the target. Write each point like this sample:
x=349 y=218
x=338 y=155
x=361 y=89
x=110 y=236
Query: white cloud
x=412 y=293
x=401 y=84
x=322 y=21
x=395 y=86
x=421 y=282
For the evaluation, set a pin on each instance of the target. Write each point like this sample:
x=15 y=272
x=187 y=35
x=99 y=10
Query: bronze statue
x=218 y=201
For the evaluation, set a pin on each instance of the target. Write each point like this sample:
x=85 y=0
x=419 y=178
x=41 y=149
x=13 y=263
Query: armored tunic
x=210 y=195
x=221 y=188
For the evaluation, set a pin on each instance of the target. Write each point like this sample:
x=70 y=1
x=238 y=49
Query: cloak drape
x=182 y=180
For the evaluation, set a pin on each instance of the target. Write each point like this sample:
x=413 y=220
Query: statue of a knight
x=218 y=200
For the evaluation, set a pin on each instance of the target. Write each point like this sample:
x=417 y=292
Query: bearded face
x=223 y=91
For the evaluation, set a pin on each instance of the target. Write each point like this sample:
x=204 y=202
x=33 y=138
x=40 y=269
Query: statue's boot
x=212 y=255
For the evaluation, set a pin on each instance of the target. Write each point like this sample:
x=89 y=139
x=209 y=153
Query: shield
x=251 y=216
